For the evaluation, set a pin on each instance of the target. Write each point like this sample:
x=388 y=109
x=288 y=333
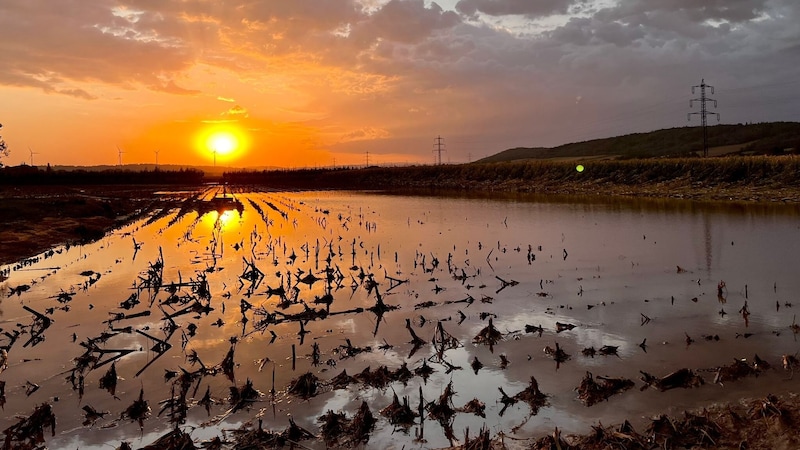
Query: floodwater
x=603 y=266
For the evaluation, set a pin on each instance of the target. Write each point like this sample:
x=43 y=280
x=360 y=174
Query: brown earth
x=768 y=423
x=35 y=219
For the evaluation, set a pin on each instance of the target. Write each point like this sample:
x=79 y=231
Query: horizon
x=303 y=84
x=219 y=169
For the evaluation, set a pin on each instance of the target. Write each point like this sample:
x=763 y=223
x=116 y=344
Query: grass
x=600 y=176
x=760 y=138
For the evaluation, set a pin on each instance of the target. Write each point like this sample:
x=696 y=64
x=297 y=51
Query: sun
x=222 y=143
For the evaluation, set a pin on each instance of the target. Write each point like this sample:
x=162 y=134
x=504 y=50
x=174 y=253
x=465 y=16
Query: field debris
x=28 y=432
x=175 y=439
x=305 y=386
x=241 y=397
x=258 y=438
x=138 y=411
x=398 y=413
x=561 y=327
x=489 y=335
x=474 y=406
x=734 y=371
x=558 y=354
x=534 y=397
x=531 y=395
x=442 y=409
x=591 y=392
x=334 y=426
x=681 y=378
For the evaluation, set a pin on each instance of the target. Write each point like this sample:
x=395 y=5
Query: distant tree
x=3 y=147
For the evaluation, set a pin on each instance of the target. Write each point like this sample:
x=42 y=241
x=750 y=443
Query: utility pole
x=439 y=148
x=703 y=111
x=32 y=153
x=119 y=155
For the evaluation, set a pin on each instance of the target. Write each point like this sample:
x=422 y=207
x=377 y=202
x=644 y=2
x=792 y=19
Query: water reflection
x=326 y=258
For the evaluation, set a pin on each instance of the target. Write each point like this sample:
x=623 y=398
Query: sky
x=318 y=83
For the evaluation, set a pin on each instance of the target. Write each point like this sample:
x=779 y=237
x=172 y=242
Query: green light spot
x=579 y=168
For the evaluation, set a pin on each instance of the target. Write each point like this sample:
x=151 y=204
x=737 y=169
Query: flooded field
x=281 y=307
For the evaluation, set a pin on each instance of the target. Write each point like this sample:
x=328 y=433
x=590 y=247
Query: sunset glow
x=307 y=83
x=222 y=143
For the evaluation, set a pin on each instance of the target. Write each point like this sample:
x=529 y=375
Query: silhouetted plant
x=4 y=151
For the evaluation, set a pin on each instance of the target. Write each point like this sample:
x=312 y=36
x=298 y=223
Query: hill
x=760 y=138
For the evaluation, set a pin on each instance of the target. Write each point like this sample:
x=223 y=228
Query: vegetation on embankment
x=773 y=138
x=43 y=176
x=740 y=178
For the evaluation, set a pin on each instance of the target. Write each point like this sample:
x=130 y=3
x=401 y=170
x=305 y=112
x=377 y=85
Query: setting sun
x=222 y=143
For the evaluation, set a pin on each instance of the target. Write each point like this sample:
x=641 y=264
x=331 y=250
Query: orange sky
x=312 y=83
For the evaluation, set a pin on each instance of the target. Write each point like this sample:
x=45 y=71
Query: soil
x=768 y=423
x=36 y=219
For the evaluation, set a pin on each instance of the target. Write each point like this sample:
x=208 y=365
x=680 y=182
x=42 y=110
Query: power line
x=703 y=111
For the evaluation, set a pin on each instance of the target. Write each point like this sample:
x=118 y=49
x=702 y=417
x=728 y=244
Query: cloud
x=403 y=71
x=404 y=21
x=83 y=42
x=363 y=134
x=236 y=111
x=530 y=8
x=171 y=88
x=78 y=93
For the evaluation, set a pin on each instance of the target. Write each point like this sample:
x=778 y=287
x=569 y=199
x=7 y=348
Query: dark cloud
x=530 y=8
x=697 y=11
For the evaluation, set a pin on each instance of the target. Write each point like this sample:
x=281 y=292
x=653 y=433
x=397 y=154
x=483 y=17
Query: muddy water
x=601 y=266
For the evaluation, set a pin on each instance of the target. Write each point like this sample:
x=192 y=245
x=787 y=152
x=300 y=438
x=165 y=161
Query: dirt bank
x=768 y=423
x=36 y=218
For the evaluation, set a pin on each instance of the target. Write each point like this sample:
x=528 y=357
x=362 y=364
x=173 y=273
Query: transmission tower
x=367 y=154
x=439 y=148
x=703 y=110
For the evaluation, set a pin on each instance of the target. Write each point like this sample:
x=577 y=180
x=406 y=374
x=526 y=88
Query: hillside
x=761 y=138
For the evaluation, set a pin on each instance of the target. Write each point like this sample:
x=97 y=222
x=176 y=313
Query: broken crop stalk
x=399 y=413
x=138 y=411
x=442 y=409
x=443 y=340
x=591 y=392
x=558 y=354
x=681 y=378
x=28 y=432
x=489 y=335
x=305 y=386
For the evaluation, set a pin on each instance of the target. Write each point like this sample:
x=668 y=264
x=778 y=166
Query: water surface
x=603 y=266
